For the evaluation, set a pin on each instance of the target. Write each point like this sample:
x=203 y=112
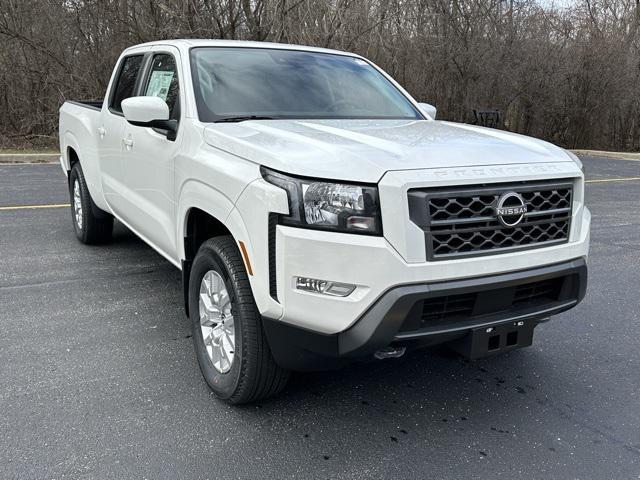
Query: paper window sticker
x=159 y=84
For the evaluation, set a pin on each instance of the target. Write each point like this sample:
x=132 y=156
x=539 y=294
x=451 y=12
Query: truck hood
x=364 y=150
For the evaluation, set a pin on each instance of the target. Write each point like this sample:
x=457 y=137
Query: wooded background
x=569 y=74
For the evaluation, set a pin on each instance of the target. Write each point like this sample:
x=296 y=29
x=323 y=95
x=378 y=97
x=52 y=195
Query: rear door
x=112 y=124
x=147 y=175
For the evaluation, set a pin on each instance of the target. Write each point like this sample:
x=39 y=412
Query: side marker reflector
x=245 y=257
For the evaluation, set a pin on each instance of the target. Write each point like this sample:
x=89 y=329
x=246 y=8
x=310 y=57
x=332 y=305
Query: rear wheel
x=91 y=224
x=230 y=344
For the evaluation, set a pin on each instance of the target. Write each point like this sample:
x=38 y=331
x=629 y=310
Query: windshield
x=269 y=83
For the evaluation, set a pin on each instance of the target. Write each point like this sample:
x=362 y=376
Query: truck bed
x=93 y=104
x=79 y=131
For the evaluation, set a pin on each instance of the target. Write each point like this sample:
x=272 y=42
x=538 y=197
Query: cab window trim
x=116 y=81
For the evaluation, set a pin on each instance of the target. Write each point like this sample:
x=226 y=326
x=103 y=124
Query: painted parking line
x=612 y=180
x=10 y=164
x=33 y=207
x=66 y=205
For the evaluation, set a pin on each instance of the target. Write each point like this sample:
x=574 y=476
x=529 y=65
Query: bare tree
x=569 y=75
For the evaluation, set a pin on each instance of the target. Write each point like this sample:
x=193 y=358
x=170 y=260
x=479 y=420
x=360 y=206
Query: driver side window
x=163 y=83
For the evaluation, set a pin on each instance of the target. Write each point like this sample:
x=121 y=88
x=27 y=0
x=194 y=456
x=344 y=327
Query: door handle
x=102 y=132
x=128 y=143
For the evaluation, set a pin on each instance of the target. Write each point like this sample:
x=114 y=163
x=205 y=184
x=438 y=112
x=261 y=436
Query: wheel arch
x=199 y=226
x=205 y=213
x=86 y=156
x=72 y=158
x=71 y=153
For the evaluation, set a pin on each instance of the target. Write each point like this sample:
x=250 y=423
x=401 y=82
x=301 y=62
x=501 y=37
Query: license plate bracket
x=491 y=340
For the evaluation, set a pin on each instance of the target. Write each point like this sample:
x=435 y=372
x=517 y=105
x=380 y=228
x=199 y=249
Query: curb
x=633 y=157
x=16 y=158
x=33 y=154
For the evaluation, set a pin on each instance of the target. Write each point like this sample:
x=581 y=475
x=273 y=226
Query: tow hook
x=390 y=352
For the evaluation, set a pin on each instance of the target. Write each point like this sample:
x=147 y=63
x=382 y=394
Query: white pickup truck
x=318 y=213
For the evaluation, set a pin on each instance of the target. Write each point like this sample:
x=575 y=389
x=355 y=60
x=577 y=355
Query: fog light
x=326 y=287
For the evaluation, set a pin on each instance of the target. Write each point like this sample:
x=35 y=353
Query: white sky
x=557 y=3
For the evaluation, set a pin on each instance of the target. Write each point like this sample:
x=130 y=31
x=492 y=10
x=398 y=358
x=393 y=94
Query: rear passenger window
x=163 y=83
x=126 y=81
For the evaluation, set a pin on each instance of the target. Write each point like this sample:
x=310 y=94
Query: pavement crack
x=140 y=271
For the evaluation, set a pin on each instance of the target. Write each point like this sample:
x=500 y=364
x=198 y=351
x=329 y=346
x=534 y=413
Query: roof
x=185 y=44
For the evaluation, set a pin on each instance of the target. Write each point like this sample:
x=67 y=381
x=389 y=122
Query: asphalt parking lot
x=99 y=379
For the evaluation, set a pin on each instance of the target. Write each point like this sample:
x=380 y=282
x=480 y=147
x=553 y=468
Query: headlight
x=326 y=205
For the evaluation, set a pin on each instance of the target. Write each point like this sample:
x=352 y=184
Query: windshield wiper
x=243 y=118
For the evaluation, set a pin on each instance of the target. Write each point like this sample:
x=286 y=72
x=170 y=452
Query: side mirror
x=152 y=112
x=429 y=109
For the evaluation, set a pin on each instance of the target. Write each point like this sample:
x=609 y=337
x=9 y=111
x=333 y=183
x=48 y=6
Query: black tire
x=253 y=374
x=95 y=225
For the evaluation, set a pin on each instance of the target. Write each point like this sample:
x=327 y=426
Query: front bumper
x=398 y=316
x=375 y=267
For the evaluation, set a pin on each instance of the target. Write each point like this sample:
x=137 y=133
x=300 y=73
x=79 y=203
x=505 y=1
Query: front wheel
x=230 y=344
x=91 y=224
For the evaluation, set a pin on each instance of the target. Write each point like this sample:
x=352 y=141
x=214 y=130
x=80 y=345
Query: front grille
x=462 y=221
x=461 y=307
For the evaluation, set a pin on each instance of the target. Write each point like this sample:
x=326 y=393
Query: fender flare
x=196 y=194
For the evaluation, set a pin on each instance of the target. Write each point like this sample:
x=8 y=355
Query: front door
x=112 y=124
x=147 y=173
